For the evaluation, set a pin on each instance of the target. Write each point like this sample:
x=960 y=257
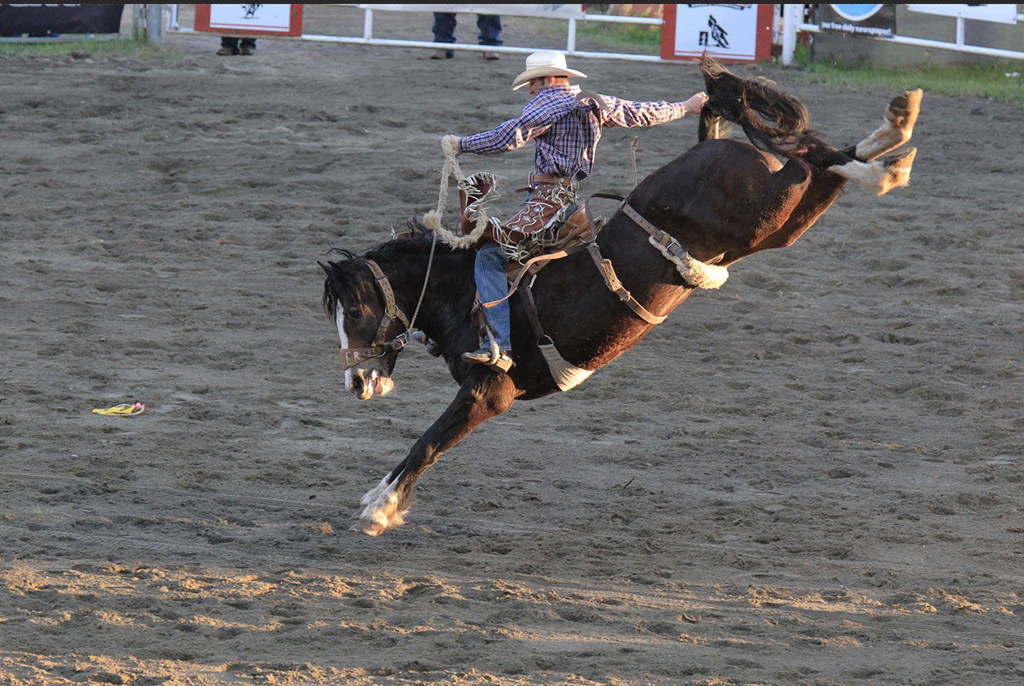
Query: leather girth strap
x=608 y=271
x=615 y=286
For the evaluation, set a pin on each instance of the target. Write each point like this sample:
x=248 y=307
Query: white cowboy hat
x=545 y=63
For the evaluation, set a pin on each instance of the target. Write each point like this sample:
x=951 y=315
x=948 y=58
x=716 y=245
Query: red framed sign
x=729 y=33
x=250 y=20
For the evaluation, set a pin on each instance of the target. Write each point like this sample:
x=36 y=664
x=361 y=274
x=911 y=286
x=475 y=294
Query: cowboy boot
x=490 y=355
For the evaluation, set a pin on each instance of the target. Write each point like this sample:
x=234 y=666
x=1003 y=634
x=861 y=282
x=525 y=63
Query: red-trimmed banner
x=250 y=20
x=729 y=33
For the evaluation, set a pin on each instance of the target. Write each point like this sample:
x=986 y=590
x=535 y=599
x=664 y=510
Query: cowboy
x=566 y=125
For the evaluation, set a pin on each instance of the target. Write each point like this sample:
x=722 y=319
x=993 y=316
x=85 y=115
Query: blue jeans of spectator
x=489 y=270
x=488 y=25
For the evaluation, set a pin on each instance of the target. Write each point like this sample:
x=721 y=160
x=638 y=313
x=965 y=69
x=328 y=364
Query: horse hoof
x=898 y=168
x=903 y=111
x=368 y=527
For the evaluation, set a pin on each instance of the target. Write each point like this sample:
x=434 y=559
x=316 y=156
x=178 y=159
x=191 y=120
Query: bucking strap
x=696 y=274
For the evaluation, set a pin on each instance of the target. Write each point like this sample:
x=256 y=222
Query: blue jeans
x=489 y=26
x=489 y=270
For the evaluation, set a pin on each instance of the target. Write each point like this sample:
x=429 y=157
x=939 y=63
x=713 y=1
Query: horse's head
x=371 y=327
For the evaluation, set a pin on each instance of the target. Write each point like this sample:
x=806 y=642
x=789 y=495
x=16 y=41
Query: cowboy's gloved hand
x=451 y=143
x=695 y=103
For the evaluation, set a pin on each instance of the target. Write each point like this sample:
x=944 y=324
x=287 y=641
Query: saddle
x=570 y=227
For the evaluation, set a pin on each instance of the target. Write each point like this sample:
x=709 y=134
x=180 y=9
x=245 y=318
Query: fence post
x=147 y=23
x=154 y=24
x=367 y=24
x=791 y=19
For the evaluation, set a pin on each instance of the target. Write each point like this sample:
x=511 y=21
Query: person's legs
x=489 y=26
x=444 y=32
x=247 y=46
x=492 y=284
x=228 y=46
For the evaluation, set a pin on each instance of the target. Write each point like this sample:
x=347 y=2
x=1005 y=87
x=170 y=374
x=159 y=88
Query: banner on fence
x=1003 y=13
x=254 y=19
x=550 y=11
x=53 y=19
x=877 y=21
x=729 y=33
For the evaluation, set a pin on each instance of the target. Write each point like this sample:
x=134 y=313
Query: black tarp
x=52 y=19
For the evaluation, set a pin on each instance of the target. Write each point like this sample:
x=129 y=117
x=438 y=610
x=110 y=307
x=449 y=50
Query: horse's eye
x=354 y=313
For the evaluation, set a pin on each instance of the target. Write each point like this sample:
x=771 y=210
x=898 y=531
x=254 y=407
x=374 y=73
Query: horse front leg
x=484 y=396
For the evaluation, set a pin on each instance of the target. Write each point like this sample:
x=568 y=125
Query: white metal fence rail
x=368 y=39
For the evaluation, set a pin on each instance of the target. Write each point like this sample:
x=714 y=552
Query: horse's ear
x=410 y=231
x=326 y=267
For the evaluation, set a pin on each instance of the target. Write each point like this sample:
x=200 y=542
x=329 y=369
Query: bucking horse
x=680 y=228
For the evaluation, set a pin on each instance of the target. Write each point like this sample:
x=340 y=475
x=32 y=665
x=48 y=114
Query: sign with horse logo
x=251 y=19
x=729 y=33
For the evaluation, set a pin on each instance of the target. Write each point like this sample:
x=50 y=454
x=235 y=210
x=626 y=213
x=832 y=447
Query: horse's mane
x=416 y=240
x=773 y=120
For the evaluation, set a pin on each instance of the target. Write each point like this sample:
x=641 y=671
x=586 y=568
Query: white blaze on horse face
x=340 y=321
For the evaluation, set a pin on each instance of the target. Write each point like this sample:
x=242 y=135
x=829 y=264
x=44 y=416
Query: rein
x=350 y=357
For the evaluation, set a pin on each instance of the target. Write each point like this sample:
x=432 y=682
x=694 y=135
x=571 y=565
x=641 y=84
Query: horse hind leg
x=896 y=129
x=879 y=177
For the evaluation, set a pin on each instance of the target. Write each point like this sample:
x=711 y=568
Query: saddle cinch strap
x=350 y=357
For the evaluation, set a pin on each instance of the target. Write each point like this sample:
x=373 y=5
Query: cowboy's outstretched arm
x=630 y=113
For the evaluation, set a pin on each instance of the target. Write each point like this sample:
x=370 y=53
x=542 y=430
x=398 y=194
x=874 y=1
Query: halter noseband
x=350 y=357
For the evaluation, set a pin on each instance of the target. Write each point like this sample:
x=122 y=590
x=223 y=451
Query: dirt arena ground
x=811 y=476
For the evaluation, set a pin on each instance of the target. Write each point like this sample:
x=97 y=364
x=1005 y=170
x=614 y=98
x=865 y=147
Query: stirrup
x=493 y=358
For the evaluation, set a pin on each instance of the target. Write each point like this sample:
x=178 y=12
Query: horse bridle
x=350 y=357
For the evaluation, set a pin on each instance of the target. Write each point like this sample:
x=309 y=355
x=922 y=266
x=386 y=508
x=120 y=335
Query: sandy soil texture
x=811 y=476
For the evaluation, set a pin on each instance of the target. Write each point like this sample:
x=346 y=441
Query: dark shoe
x=488 y=55
x=442 y=54
x=503 y=362
x=247 y=50
x=225 y=50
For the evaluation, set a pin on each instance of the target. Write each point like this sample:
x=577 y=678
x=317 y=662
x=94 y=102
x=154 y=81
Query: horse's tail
x=773 y=120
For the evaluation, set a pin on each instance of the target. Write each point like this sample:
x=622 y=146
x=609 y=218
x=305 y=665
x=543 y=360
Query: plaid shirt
x=567 y=131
